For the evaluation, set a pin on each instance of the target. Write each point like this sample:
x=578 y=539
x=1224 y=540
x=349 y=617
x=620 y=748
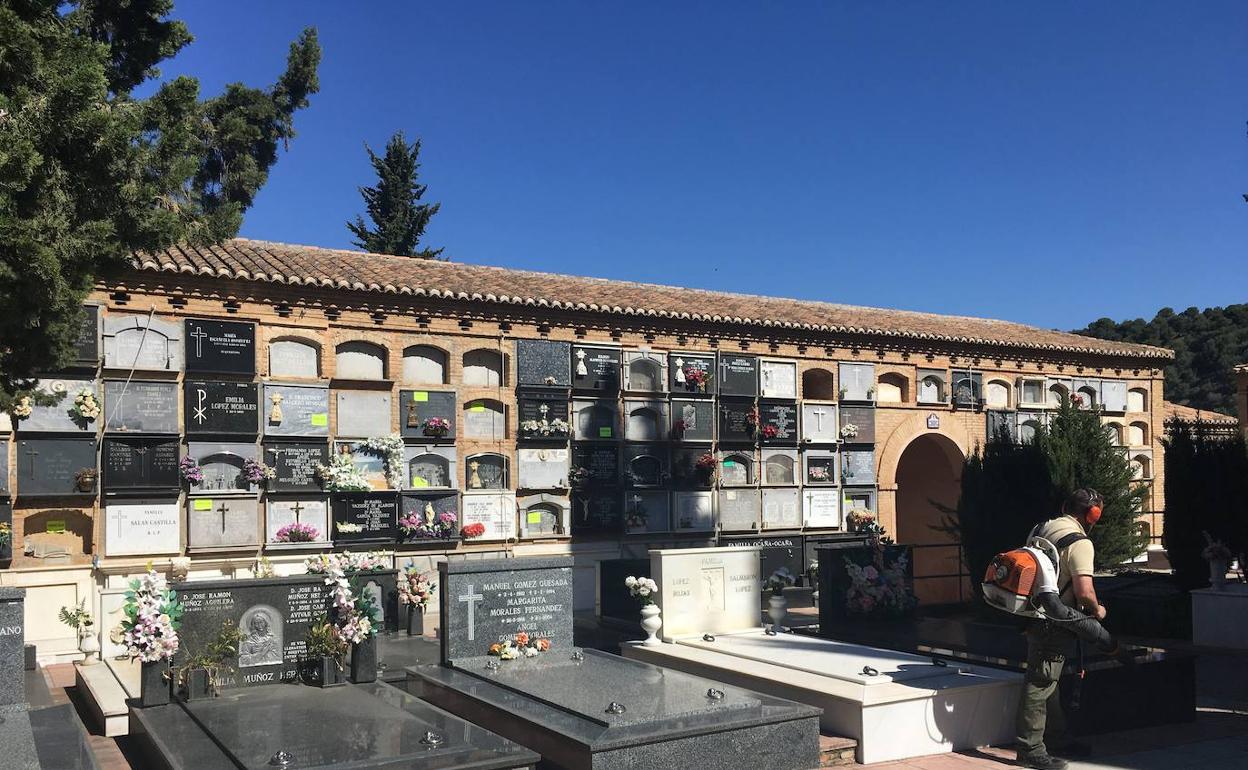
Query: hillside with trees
x=1206 y=343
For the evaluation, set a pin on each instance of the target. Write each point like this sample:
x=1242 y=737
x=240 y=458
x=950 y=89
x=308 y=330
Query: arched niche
x=818 y=384
x=1028 y=429
x=932 y=389
x=594 y=420
x=645 y=374
x=1137 y=434
x=645 y=470
x=778 y=469
x=359 y=360
x=997 y=394
x=432 y=470
x=424 y=365
x=736 y=469
x=644 y=423
x=484 y=368
x=1137 y=400
x=484 y=418
x=292 y=357
x=487 y=471
x=1058 y=393
x=893 y=388
x=1113 y=430
x=1141 y=467
x=1087 y=397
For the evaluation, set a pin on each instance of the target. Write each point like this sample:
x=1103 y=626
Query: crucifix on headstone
x=296 y=509
x=199 y=334
x=224 y=509
x=471 y=600
x=31 y=452
x=818 y=412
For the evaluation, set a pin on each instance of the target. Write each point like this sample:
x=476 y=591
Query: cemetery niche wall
x=220 y=347
x=140 y=466
x=296 y=411
x=365 y=518
x=213 y=408
x=141 y=407
x=142 y=342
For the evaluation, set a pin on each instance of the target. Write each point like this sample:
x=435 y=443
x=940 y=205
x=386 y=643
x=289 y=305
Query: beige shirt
x=1076 y=559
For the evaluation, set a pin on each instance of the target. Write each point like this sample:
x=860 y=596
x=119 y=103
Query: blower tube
x=1087 y=628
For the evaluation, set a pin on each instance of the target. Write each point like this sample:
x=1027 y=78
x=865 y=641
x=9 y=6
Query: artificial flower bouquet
x=522 y=645
x=298 y=532
x=189 y=470
x=86 y=407
x=642 y=589
x=778 y=581
x=256 y=472
x=152 y=619
x=437 y=427
x=427 y=525
x=476 y=529
x=415 y=589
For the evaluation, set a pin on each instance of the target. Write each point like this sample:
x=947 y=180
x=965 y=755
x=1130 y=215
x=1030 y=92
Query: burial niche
x=1058 y=393
x=932 y=388
x=431 y=469
x=483 y=368
x=645 y=374
x=1137 y=400
x=1088 y=397
x=997 y=395
x=1027 y=430
x=358 y=360
x=1113 y=431
x=892 y=389
x=1137 y=434
x=485 y=419
x=424 y=365
x=643 y=424
x=778 y=469
x=818 y=384
x=487 y=471
x=294 y=358
x=645 y=471
x=595 y=420
x=737 y=470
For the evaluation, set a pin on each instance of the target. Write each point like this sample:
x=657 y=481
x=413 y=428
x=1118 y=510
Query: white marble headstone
x=142 y=527
x=707 y=590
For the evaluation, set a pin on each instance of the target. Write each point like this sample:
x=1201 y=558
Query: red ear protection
x=1094 y=514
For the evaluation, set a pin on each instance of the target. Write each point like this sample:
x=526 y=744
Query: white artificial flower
x=630 y=581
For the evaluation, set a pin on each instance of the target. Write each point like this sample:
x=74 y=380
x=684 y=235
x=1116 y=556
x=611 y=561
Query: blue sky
x=1049 y=163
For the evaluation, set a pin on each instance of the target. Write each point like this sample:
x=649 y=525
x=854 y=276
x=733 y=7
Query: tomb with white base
x=895 y=704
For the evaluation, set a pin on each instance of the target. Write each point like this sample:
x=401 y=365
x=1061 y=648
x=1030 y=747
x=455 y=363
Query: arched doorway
x=929 y=473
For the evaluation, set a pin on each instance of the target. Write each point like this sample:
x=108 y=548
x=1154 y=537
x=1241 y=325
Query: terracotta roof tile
x=246 y=259
x=1184 y=413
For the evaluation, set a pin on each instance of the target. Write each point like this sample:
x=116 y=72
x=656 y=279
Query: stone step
x=106 y=687
x=836 y=751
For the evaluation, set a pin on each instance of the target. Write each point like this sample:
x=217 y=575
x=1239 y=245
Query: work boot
x=1041 y=761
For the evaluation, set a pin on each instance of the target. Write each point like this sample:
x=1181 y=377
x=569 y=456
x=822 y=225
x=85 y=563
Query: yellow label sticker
x=478 y=407
x=420 y=395
x=56 y=526
x=320 y=420
x=535 y=517
x=203 y=504
x=417 y=481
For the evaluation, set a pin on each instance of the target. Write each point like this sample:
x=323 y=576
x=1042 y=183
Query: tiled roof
x=1191 y=414
x=250 y=260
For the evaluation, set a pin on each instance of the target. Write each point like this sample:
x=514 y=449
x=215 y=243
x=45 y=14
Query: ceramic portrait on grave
x=261 y=629
x=430 y=466
x=77 y=407
x=646 y=511
x=645 y=371
x=645 y=420
x=137 y=342
x=692 y=420
x=141 y=407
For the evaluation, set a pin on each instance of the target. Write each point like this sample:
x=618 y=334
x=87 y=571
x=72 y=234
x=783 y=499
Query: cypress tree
x=393 y=204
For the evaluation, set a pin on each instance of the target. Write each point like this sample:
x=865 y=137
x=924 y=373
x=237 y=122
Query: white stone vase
x=814 y=598
x=651 y=623
x=777 y=608
x=1217 y=573
x=89 y=645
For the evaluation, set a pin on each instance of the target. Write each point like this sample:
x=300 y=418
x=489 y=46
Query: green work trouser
x=1039 y=705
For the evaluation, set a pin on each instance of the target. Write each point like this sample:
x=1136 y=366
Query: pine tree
x=90 y=174
x=399 y=218
x=1080 y=454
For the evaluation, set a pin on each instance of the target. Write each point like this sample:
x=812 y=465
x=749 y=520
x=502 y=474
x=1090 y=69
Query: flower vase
x=1217 y=573
x=89 y=644
x=776 y=609
x=814 y=598
x=364 y=661
x=329 y=671
x=651 y=623
x=197 y=685
x=153 y=684
x=415 y=621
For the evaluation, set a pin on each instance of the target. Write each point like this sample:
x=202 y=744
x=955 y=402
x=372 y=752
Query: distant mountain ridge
x=1206 y=343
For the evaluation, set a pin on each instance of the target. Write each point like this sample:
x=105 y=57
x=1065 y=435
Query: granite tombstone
x=363 y=413
x=62 y=416
x=738 y=375
x=427 y=505
x=221 y=408
x=222 y=523
x=601 y=462
x=220 y=347
x=12 y=641
x=295 y=463
x=542 y=416
x=858 y=424
x=692 y=420
x=858 y=467
x=312 y=512
x=543 y=468
x=738 y=420
x=49 y=466
x=365 y=517
x=777 y=422
x=422 y=413
x=4 y=466
x=597 y=510
x=819 y=424
x=296 y=410
x=136 y=465
x=595 y=369
x=87 y=344
x=141 y=407
x=693 y=511
x=543 y=363
x=646 y=511
x=693 y=374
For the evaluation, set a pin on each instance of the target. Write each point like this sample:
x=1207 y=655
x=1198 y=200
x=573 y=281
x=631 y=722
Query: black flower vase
x=415 y=621
x=197 y=684
x=364 y=661
x=154 y=686
x=330 y=671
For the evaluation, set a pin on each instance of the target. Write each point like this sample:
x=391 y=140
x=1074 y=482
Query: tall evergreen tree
x=89 y=173
x=399 y=218
x=1080 y=454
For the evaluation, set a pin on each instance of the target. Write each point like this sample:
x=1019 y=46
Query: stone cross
x=31 y=453
x=471 y=600
x=199 y=334
x=224 y=509
x=818 y=412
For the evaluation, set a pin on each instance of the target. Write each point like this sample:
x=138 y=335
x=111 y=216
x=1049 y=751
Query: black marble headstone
x=543 y=363
x=602 y=462
x=529 y=407
x=679 y=367
x=734 y=421
x=141 y=407
x=4 y=465
x=442 y=502
x=220 y=347
x=738 y=375
x=492 y=600
x=782 y=415
x=47 y=467
x=295 y=463
x=598 y=510
x=87 y=345
x=365 y=517
x=861 y=417
x=140 y=465
x=645 y=465
x=693 y=420
x=602 y=369
x=417 y=406
x=773 y=552
x=214 y=408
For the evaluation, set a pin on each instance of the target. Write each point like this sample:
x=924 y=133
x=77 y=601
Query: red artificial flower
x=476 y=529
